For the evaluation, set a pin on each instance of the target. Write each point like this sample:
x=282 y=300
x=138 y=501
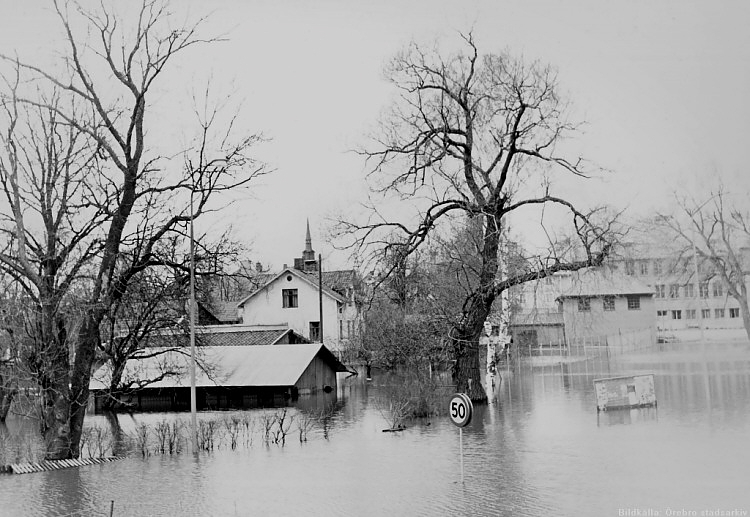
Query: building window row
x=658 y=267
x=691 y=314
x=688 y=290
x=641 y=267
x=608 y=303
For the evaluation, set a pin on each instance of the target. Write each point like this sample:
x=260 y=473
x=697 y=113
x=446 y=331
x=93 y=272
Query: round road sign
x=460 y=409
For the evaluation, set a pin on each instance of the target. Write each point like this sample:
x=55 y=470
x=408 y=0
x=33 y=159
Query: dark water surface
x=539 y=449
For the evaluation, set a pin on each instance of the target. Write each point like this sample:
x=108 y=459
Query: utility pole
x=193 y=404
x=320 y=293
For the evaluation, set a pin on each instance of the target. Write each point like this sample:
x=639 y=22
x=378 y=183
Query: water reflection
x=540 y=448
x=627 y=416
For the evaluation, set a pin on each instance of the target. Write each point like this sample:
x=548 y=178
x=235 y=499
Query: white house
x=291 y=298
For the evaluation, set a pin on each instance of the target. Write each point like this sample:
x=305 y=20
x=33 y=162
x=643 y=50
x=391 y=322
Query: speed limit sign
x=460 y=409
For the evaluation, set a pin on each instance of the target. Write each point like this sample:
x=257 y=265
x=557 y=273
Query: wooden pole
x=320 y=293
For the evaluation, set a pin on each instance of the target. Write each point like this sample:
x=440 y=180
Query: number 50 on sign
x=460 y=409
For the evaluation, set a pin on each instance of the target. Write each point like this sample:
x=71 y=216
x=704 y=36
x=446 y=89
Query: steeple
x=307 y=262
x=308 y=239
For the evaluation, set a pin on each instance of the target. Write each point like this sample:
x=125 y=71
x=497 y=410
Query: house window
x=718 y=313
x=341 y=329
x=657 y=267
x=643 y=267
x=734 y=312
x=718 y=289
x=288 y=298
x=703 y=288
x=609 y=303
x=314 y=331
x=674 y=290
x=689 y=291
x=690 y=314
x=661 y=314
x=661 y=291
x=634 y=303
x=584 y=304
x=629 y=267
x=676 y=315
x=706 y=314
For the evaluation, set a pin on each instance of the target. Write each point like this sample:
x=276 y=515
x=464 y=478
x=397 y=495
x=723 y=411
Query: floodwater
x=540 y=448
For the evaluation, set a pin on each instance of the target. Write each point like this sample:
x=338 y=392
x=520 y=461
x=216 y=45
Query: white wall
x=266 y=308
x=598 y=322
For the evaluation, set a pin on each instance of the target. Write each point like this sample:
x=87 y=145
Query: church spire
x=307 y=262
x=308 y=239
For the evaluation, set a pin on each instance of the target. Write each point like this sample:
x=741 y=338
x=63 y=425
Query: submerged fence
x=613 y=344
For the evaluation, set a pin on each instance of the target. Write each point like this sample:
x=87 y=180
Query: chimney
x=258 y=267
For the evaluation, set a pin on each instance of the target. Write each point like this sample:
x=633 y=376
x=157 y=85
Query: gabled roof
x=339 y=280
x=605 y=282
x=224 y=312
x=262 y=365
x=311 y=280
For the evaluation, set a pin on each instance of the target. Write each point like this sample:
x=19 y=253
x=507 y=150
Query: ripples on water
x=539 y=449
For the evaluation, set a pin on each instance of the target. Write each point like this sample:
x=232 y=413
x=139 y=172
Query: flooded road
x=540 y=448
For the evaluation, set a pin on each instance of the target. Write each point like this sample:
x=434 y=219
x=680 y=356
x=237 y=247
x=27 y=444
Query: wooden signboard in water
x=625 y=392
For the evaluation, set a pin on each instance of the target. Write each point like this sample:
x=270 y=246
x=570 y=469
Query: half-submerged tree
x=475 y=137
x=93 y=217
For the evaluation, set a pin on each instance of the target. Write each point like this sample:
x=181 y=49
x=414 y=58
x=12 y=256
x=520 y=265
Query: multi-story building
x=688 y=292
x=594 y=305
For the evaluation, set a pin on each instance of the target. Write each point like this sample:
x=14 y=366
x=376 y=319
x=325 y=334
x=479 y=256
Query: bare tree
x=716 y=228
x=11 y=342
x=48 y=227
x=474 y=136
x=150 y=320
x=131 y=197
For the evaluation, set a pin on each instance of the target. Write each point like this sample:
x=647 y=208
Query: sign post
x=460 y=411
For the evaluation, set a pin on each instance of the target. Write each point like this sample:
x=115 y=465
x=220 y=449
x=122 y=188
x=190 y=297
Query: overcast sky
x=663 y=86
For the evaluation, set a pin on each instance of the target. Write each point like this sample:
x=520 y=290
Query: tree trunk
x=466 y=371
x=55 y=394
x=119 y=438
x=88 y=338
x=114 y=394
x=55 y=429
x=54 y=382
x=7 y=395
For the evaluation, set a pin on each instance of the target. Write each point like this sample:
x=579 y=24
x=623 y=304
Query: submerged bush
x=172 y=436
x=416 y=396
